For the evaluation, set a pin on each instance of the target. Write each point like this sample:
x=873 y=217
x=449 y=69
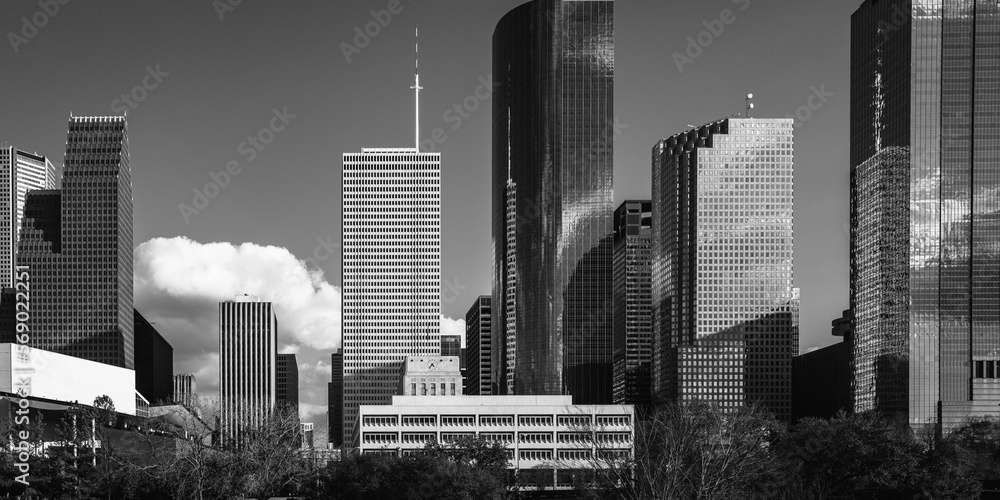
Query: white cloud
x=453 y=327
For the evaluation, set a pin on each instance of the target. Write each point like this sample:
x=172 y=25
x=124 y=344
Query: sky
x=276 y=92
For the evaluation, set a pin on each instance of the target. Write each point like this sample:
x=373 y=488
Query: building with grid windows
x=77 y=242
x=546 y=436
x=451 y=345
x=925 y=221
x=553 y=135
x=725 y=312
x=633 y=299
x=20 y=171
x=478 y=347
x=287 y=380
x=391 y=270
x=248 y=350
x=335 y=400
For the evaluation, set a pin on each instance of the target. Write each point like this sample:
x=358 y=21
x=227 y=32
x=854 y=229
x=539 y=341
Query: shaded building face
x=478 y=352
x=725 y=310
x=925 y=91
x=80 y=254
x=553 y=132
x=633 y=303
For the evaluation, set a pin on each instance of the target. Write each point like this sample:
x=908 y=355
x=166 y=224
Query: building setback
x=633 y=303
x=154 y=362
x=553 y=135
x=478 y=347
x=287 y=378
x=77 y=242
x=248 y=341
x=925 y=231
x=725 y=312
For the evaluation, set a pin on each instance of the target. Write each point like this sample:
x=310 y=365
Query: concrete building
x=154 y=362
x=185 y=389
x=248 y=345
x=544 y=434
x=430 y=376
x=20 y=171
x=478 y=347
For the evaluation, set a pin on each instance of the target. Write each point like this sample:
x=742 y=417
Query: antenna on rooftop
x=749 y=104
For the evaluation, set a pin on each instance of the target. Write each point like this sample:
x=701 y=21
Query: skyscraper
x=478 y=347
x=724 y=310
x=925 y=237
x=248 y=343
x=20 y=171
x=553 y=133
x=335 y=399
x=78 y=245
x=451 y=345
x=391 y=268
x=154 y=362
x=287 y=378
x=185 y=389
x=633 y=260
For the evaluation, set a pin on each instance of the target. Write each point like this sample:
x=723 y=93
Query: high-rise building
x=392 y=270
x=553 y=134
x=287 y=378
x=478 y=347
x=633 y=299
x=925 y=231
x=335 y=399
x=154 y=362
x=451 y=345
x=20 y=171
x=725 y=313
x=77 y=243
x=185 y=389
x=821 y=379
x=248 y=343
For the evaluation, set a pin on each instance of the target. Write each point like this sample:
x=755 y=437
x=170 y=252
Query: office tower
x=287 y=378
x=154 y=362
x=478 y=347
x=725 y=314
x=553 y=133
x=821 y=379
x=925 y=237
x=78 y=244
x=335 y=399
x=20 y=171
x=185 y=389
x=633 y=299
x=248 y=342
x=451 y=345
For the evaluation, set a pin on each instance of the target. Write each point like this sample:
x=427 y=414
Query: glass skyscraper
x=391 y=271
x=925 y=231
x=725 y=314
x=77 y=242
x=553 y=133
x=633 y=313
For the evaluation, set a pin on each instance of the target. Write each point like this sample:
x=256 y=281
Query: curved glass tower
x=553 y=133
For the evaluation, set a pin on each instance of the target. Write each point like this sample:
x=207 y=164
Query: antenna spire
x=416 y=86
x=749 y=104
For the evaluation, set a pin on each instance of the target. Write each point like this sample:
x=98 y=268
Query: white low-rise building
x=540 y=432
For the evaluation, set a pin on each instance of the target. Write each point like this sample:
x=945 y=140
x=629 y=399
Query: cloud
x=453 y=327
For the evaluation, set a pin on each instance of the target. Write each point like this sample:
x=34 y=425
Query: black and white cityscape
x=500 y=249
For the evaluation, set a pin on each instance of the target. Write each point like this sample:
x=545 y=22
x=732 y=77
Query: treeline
x=695 y=451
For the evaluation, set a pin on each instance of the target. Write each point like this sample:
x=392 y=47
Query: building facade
x=545 y=434
x=553 y=136
x=451 y=345
x=821 y=379
x=925 y=236
x=248 y=350
x=20 y=171
x=154 y=362
x=335 y=400
x=287 y=383
x=392 y=270
x=77 y=243
x=185 y=389
x=633 y=303
x=479 y=347
x=430 y=376
x=724 y=308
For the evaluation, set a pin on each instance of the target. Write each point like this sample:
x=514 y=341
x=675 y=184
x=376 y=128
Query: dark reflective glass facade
x=925 y=154
x=633 y=316
x=553 y=131
x=725 y=312
x=80 y=254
